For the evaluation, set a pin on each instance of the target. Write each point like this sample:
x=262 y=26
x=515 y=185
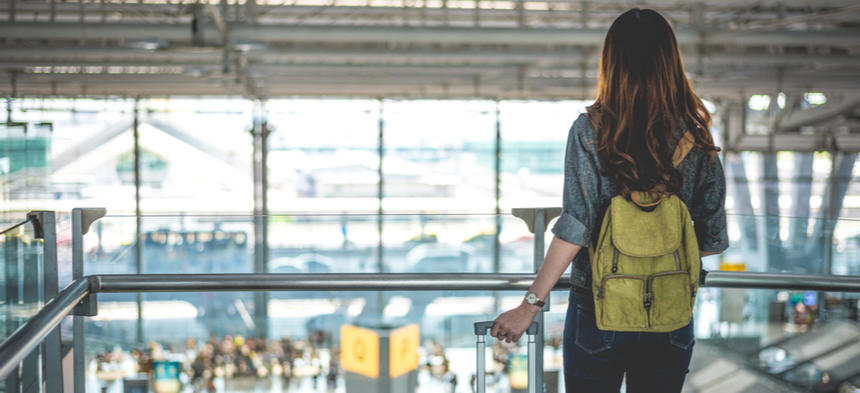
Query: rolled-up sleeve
x=708 y=209
x=579 y=202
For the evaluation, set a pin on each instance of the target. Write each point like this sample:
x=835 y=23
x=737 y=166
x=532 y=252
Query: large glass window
x=534 y=138
x=323 y=183
x=438 y=199
x=196 y=185
x=61 y=153
x=439 y=158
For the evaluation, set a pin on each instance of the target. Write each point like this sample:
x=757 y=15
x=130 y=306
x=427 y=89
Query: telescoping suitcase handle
x=481 y=329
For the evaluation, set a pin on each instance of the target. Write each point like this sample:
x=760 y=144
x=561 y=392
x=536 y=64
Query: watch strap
x=538 y=302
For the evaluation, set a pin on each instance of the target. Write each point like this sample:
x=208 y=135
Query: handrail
x=29 y=335
x=3 y=232
x=309 y=282
x=798 y=282
x=428 y=281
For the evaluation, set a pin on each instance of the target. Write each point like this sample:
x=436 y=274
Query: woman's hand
x=511 y=324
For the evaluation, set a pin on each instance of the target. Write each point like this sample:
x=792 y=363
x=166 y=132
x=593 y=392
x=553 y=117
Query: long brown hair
x=642 y=96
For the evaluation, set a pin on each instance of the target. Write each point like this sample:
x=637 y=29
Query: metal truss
x=406 y=48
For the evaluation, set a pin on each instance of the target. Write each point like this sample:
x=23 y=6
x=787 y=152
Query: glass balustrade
x=22 y=279
x=301 y=328
x=22 y=285
x=769 y=340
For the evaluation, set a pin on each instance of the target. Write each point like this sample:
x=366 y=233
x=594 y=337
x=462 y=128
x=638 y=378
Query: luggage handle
x=481 y=329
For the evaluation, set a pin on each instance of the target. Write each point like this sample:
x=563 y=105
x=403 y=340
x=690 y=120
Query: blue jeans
x=595 y=361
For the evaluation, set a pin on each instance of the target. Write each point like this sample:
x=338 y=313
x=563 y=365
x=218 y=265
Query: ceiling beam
x=573 y=56
x=411 y=34
x=819 y=114
x=377 y=83
x=603 y=9
x=798 y=142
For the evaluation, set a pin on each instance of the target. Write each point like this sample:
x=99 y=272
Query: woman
x=625 y=143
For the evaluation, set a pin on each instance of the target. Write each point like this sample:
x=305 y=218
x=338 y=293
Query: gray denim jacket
x=588 y=191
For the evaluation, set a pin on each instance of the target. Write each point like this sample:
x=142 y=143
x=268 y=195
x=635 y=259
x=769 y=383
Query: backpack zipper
x=603 y=282
x=615 y=261
x=648 y=298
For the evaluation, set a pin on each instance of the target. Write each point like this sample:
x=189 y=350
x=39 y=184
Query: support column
x=736 y=172
x=138 y=235
x=801 y=191
x=498 y=192
x=771 y=243
x=8 y=110
x=743 y=205
x=735 y=123
x=380 y=190
x=380 y=222
x=821 y=242
x=260 y=134
x=497 y=246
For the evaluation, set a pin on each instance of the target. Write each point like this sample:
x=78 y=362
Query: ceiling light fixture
x=149 y=44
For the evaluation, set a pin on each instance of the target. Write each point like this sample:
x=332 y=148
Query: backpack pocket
x=618 y=303
x=670 y=298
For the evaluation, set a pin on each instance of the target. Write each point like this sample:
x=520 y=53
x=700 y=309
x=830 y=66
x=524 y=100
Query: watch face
x=531 y=298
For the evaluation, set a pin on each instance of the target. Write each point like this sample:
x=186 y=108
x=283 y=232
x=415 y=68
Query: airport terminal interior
x=240 y=195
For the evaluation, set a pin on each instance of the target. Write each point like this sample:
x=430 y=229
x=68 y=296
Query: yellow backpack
x=645 y=265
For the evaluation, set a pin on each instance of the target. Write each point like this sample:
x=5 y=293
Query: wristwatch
x=532 y=298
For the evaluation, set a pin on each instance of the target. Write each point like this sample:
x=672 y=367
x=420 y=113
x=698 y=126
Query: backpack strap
x=649 y=200
x=685 y=144
x=594 y=113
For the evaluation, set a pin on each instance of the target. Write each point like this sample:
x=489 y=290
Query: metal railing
x=79 y=297
x=28 y=336
x=44 y=228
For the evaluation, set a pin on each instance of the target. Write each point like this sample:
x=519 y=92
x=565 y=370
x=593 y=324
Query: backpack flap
x=640 y=233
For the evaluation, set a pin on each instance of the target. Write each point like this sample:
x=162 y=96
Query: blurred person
x=333 y=368
x=202 y=367
x=626 y=143
x=190 y=349
x=286 y=357
x=437 y=360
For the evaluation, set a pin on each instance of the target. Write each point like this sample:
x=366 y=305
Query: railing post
x=52 y=365
x=536 y=219
x=13 y=282
x=538 y=340
x=260 y=134
x=82 y=218
x=30 y=366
